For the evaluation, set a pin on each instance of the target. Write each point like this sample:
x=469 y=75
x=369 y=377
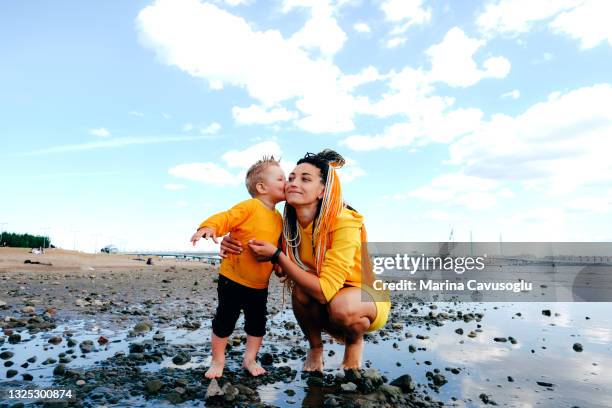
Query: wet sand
x=120 y=332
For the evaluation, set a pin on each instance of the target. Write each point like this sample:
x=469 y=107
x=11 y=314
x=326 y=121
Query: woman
x=323 y=240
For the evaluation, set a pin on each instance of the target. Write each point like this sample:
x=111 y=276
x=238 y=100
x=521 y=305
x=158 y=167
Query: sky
x=129 y=122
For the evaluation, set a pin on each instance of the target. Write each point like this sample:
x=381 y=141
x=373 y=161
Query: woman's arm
x=307 y=281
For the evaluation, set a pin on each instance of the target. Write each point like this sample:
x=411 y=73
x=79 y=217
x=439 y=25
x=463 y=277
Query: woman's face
x=304 y=185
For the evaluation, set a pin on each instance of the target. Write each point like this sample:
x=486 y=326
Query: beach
x=119 y=332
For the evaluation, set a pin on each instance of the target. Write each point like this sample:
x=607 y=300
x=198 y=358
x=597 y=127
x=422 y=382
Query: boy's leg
x=228 y=311
x=255 y=311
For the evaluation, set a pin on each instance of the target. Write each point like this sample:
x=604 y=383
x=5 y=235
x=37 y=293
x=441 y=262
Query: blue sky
x=130 y=122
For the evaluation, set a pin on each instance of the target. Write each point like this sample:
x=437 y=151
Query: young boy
x=243 y=282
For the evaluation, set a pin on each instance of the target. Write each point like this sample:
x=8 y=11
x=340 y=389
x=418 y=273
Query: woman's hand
x=263 y=250
x=278 y=271
x=230 y=245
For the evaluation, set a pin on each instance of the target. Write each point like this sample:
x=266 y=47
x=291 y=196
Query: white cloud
x=518 y=16
x=112 y=143
x=595 y=204
x=514 y=94
x=395 y=42
x=234 y=3
x=174 y=187
x=321 y=31
x=166 y=116
x=350 y=171
x=210 y=43
x=407 y=11
x=256 y=114
x=437 y=215
x=452 y=61
x=585 y=20
x=555 y=146
x=207 y=173
x=100 y=132
x=435 y=126
x=475 y=193
x=366 y=75
x=136 y=113
x=188 y=127
x=210 y=129
x=181 y=204
x=215 y=84
x=245 y=158
x=362 y=28
x=589 y=23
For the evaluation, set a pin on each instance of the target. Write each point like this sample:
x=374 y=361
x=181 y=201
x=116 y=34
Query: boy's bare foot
x=253 y=368
x=314 y=359
x=215 y=370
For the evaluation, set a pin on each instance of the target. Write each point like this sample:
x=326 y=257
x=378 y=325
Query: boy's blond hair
x=255 y=173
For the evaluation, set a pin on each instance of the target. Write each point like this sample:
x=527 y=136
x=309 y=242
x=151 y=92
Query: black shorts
x=234 y=297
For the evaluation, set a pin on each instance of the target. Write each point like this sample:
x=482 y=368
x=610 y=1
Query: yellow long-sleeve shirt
x=342 y=263
x=250 y=219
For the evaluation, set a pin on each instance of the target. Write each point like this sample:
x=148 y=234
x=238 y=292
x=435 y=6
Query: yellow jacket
x=250 y=219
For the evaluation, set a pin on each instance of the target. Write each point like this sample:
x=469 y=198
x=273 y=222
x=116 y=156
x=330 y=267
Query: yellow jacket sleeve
x=339 y=260
x=225 y=221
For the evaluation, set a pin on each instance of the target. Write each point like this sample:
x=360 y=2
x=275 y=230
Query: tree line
x=12 y=239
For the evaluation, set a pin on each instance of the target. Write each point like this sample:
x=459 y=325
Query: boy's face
x=274 y=180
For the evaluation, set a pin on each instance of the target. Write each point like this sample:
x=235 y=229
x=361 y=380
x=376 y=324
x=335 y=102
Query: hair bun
x=332 y=158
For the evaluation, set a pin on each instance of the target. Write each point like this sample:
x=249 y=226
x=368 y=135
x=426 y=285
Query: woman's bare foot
x=352 y=354
x=253 y=367
x=215 y=370
x=314 y=359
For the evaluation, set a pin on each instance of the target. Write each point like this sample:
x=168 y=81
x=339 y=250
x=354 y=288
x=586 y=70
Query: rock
x=59 y=369
x=244 y=390
x=500 y=339
x=14 y=338
x=577 y=347
x=510 y=379
x=86 y=346
x=154 y=386
x=438 y=380
x=27 y=377
x=471 y=334
x=291 y=392
x=143 y=327
x=266 y=359
x=544 y=384
x=390 y=391
x=404 y=382
x=150 y=261
x=5 y=355
x=213 y=390
x=55 y=340
x=80 y=383
x=459 y=331
x=181 y=358
x=2 y=303
x=81 y=302
x=230 y=392
x=28 y=309
x=546 y=312
x=349 y=387
x=11 y=373
x=136 y=348
x=102 y=340
x=159 y=337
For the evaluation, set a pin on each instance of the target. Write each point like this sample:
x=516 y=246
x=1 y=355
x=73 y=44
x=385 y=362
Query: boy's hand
x=205 y=232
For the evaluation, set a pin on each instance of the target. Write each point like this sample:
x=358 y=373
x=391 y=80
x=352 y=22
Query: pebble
x=55 y=340
x=154 y=386
x=577 y=347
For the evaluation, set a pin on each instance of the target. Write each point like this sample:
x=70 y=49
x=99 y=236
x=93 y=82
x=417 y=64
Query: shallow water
x=578 y=378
